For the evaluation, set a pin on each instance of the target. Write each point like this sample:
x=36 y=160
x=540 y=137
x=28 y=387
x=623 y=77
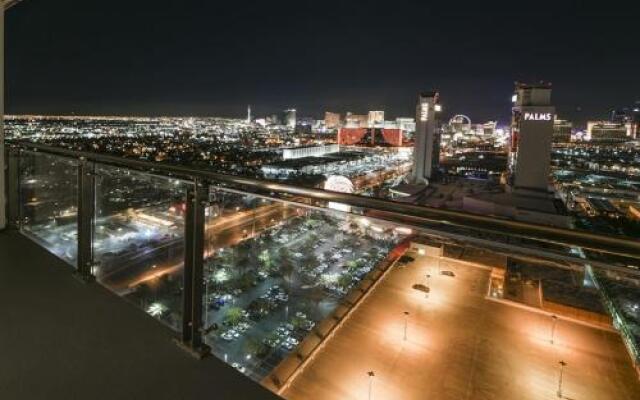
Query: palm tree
x=286 y=266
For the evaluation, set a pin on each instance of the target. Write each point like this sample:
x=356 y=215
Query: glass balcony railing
x=49 y=202
x=139 y=239
x=275 y=271
x=318 y=294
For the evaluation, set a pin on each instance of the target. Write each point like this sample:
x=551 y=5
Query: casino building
x=370 y=137
x=527 y=196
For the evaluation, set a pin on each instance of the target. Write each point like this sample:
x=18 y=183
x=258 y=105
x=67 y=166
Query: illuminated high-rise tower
x=289 y=118
x=531 y=138
x=249 y=114
x=426 y=151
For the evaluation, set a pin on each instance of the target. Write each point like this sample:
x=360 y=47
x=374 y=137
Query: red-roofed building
x=370 y=137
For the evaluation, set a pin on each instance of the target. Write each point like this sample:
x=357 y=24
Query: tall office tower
x=249 y=114
x=376 y=119
x=289 y=118
x=531 y=138
x=332 y=120
x=426 y=152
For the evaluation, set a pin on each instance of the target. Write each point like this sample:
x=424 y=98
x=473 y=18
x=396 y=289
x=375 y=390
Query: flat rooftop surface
x=461 y=346
x=63 y=339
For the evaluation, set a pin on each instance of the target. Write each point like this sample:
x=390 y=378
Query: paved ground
x=461 y=346
x=62 y=339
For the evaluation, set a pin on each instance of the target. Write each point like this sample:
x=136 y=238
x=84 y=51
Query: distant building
x=610 y=132
x=487 y=128
x=332 y=120
x=309 y=151
x=331 y=163
x=370 y=137
x=356 y=120
x=527 y=197
x=531 y=137
x=376 y=119
x=406 y=124
x=628 y=115
x=289 y=118
x=273 y=119
x=562 y=130
x=426 y=152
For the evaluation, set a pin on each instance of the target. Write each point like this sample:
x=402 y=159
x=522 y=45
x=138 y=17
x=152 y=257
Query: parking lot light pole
x=554 y=321
x=562 y=365
x=428 y=286
x=406 y=321
x=371 y=375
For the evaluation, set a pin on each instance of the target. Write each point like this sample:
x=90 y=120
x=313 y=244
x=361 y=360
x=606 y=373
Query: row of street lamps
x=554 y=322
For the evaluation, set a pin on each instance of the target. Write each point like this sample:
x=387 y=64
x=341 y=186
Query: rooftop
x=502 y=352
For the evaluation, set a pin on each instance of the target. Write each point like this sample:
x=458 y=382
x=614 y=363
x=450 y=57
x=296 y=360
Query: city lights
x=346 y=235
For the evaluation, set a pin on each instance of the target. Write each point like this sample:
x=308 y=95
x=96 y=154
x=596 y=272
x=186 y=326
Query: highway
x=142 y=264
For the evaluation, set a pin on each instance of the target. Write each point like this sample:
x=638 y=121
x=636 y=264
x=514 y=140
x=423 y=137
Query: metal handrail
x=610 y=244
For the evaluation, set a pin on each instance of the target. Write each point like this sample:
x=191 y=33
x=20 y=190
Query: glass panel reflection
x=274 y=271
x=48 y=203
x=138 y=241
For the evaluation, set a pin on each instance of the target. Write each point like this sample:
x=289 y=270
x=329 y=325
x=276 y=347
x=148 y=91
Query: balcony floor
x=63 y=339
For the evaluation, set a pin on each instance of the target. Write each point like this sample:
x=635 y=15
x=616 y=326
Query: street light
x=426 y=294
x=406 y=321
x=554 y=321
x=371 y=375
x=562 y=365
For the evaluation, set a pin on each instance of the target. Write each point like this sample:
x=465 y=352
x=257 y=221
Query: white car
x=239 y=367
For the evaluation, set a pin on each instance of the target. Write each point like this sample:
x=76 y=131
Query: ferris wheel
x=460 y=119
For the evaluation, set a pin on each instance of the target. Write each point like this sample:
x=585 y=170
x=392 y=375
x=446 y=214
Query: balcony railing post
x=86 y=215
x=193 y=270
x=13 y=186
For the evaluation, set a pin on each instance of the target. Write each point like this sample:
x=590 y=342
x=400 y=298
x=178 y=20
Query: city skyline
x=380 y=200
x=214 y=60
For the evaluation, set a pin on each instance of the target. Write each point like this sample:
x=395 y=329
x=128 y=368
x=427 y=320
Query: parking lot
x=266 y=293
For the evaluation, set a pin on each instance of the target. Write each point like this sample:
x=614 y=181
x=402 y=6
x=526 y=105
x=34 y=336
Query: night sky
x=212 y=58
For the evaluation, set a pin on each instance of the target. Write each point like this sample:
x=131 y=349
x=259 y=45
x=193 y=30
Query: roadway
x=461 y=346
x=131 y=268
